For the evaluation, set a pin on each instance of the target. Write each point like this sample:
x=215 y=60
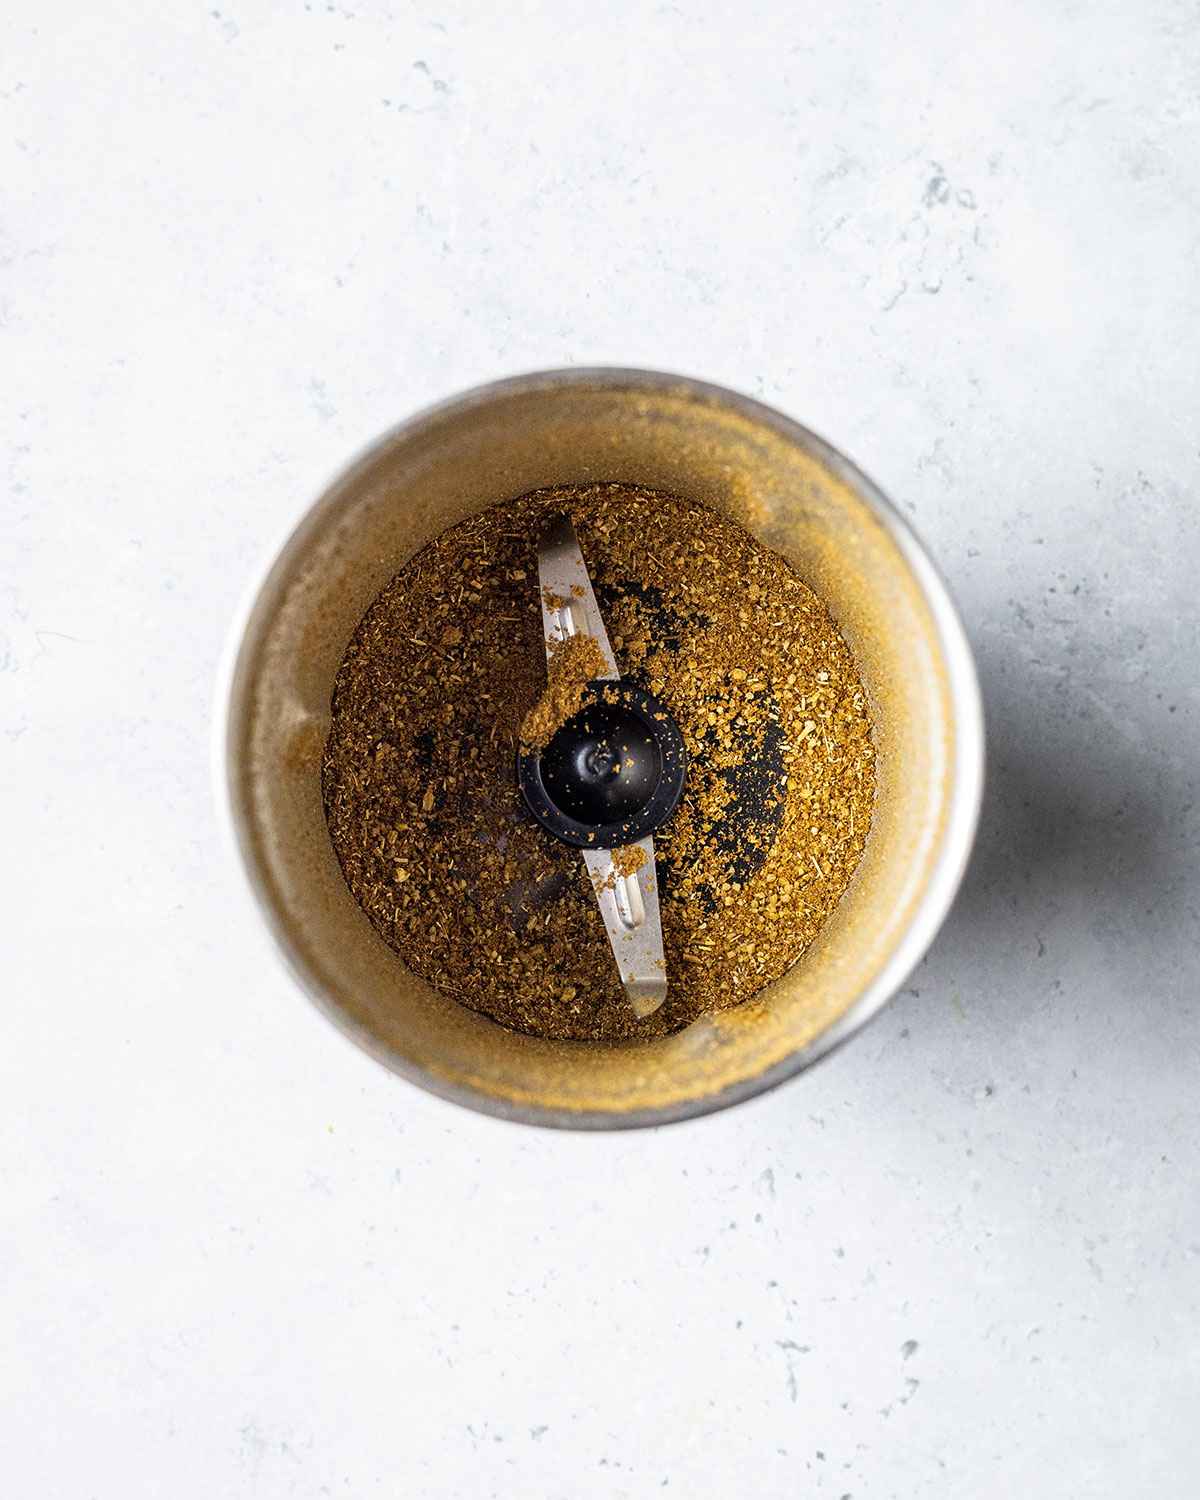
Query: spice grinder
x=798 y=497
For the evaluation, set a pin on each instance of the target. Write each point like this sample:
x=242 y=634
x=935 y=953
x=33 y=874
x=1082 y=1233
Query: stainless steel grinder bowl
x=797 y=495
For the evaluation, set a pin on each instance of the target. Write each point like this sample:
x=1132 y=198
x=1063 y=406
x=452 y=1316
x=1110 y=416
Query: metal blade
x=568 y=604
x=629 y=906
x=628 y=903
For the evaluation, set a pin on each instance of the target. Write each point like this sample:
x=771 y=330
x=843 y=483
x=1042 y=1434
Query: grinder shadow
x=1076 y=844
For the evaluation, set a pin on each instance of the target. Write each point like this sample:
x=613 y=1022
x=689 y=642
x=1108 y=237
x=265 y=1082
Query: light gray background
x=237 y=1258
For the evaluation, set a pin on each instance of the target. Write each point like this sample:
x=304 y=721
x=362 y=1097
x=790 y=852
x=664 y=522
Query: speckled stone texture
x=960 y=1258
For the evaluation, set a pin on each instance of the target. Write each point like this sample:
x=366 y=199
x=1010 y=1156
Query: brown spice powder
x=574 y=662
x=628 y=861
x=429 y=707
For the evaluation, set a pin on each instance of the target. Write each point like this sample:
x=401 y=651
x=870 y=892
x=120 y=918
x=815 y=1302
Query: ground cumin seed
x=574 y=662
x=628 y=861
x=624 y=862
x=447 y=671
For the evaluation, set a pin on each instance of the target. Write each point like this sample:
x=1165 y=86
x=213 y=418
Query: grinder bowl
x=798 y=496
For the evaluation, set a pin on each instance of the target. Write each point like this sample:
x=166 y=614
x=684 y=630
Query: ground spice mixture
x=573 y=663
x=447 y=670
x=628 y=861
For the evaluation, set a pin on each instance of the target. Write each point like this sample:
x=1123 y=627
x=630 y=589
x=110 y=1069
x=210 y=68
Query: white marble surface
x=962 y=1258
